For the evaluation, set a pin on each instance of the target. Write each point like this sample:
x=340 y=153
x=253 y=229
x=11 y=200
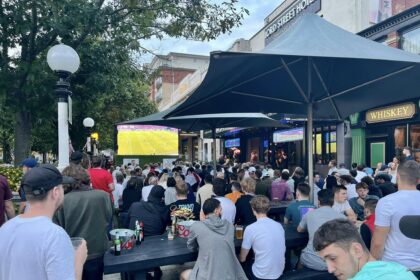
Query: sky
x=251 y=24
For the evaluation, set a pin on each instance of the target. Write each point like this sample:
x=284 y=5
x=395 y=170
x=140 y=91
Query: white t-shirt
x=117 y=194
x=145 y=192
x=266 y=237
x=359 y=176
x=341 y=207
x=390 y=209
x=351 y=191
x=228 y=209
x=35 y=248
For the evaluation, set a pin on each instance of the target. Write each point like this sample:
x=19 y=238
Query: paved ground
x=170 y=272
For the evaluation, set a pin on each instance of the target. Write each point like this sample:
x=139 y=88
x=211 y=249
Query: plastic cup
x=239 y=231
x=76 y=242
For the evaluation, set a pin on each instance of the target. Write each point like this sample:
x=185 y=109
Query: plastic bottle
x=117 y=246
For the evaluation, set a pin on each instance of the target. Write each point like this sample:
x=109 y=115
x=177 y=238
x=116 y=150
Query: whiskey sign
x=391 y=113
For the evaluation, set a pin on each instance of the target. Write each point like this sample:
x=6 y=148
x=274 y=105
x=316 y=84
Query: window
x=399 y=137
x=410 y=40
x=415 y=141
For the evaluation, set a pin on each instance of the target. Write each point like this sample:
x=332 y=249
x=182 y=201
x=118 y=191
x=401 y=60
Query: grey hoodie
x=217 y=259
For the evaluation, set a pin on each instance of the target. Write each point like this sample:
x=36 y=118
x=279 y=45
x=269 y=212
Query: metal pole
x=213 y=134
x=310 y=150
x=62 y=92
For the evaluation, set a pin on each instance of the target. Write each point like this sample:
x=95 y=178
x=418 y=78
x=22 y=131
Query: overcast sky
x=258 y=10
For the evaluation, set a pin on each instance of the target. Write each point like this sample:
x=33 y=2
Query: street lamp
x=88 y=123
x=64 y=61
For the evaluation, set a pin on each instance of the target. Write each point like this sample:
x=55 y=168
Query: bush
x=13 y=175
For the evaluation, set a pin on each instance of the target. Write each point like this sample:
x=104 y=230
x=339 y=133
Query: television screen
x=289 y=135
x=147 y=140
x=230 y=143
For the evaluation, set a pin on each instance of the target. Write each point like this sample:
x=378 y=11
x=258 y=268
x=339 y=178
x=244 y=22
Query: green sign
x=377 y=153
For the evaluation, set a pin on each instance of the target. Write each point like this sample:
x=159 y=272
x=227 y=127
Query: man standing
x=279 y=189
x=37 y=248
x=340 y=245
x=183 y=202
x=358 y=203
x=6 y=204
x=407 y=153
x=206 y=191
x=263 y=183
x=27 y=164
x=388 y=243
x=86 y=213
x=332 y=167
x=383 y=181
x=297 y=209
x=213 y=237
x=346 y=180
x=101 y=179
x=266 y=238
x=311 y=222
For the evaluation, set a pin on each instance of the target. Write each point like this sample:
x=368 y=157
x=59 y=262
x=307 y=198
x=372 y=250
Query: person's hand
x=80 y=255
x=361 y=202
x=202 y=216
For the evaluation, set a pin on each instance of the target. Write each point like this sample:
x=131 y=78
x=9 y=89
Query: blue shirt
x=293 y=211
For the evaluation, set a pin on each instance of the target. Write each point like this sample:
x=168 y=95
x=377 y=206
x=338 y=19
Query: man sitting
x=236 y=192
x=266 y=238
x=311 y=222
x=295 y=210
x=228 y=208
x=368 y=227
x=388 y=243
x=183 y=203
x=357 y=203
x=213 y=237
x=341 y=205
x=340 y=245
x=383 y=181
x=346 y=180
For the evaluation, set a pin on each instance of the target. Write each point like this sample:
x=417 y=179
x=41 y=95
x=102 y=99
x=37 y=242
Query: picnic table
x=278 y=209
x=158 y=251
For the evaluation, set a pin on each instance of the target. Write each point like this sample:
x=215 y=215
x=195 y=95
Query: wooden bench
x=307 y=274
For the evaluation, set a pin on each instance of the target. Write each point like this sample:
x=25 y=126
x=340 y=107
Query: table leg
x=140 y=275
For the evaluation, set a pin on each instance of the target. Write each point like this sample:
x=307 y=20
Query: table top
x=159 y=251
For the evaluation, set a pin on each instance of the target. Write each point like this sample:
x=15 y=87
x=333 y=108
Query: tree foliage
x=109 y=86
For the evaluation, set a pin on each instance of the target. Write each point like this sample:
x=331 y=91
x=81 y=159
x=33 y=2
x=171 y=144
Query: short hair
x=237 y=186
x=219 y=187
x=346 y=178
x=260 y=204
x=371 y=204
x=31 y=197
x=326 y=197
x=258 y=172
x=208 y=178
x=408 y=149
x=304 y=189
x=338 y=188
x=210 y=205
x=135 y=183
x=360 y=167
x=409 y=172
x=340 y=232
x=171 y=182
x=181 y=188
x=342 y=165
x=96 y=161
x=285 y=175
x=383 y=176
x=233 y=176
x=354 y=165
x=367 y=180
x=333 y=162
x=353 y=172
x=119 y=177
x=277 y=173
x=153 y=180
x=362 y=185
x=248 y=185
x=299 y=171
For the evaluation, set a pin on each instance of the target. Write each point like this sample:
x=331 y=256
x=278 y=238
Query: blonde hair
x=248 y=185
x=163 y=179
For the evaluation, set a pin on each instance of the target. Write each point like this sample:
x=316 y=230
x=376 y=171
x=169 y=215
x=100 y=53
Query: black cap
x=76 y=156
x=43 y=178
x=409 y=226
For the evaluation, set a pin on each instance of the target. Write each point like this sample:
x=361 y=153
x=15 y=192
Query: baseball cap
x=265 y=173
x=252 y=169
x=29 y=162
x=76 y=156
x=43 y=178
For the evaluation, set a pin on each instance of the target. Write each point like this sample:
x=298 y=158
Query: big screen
x=147 y=140
x=289 y=135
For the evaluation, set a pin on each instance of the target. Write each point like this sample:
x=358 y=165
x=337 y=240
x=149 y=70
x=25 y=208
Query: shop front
x=382 y=133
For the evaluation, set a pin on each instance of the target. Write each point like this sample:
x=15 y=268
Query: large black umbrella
x=207 y=121
x=314 y=68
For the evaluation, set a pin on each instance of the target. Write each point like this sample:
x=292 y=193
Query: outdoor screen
x=236 y=142
x=290 y=135
x=146 y=140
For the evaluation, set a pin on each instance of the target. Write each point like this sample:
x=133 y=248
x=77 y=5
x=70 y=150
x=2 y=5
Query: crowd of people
x=351 y=217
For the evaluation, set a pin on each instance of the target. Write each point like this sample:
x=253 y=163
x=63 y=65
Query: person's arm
x=111 y=187
x=80 y=256
x=287 y=215
x=192 y=243
x=285 y=220
x=303 y=224
x=377 y=245
x=351 y=215
x=243 y=254
x=10 y=209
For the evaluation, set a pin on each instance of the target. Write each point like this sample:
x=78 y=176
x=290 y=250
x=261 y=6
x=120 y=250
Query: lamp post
x=88 y=123
x=64 y=61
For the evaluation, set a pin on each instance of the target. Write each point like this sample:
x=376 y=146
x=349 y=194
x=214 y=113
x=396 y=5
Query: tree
x=28 y=28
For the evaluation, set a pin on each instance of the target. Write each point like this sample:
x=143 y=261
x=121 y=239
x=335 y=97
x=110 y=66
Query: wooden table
x=158 y=251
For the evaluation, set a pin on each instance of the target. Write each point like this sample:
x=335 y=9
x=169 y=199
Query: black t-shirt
x=244 y=215
x=187 y=204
